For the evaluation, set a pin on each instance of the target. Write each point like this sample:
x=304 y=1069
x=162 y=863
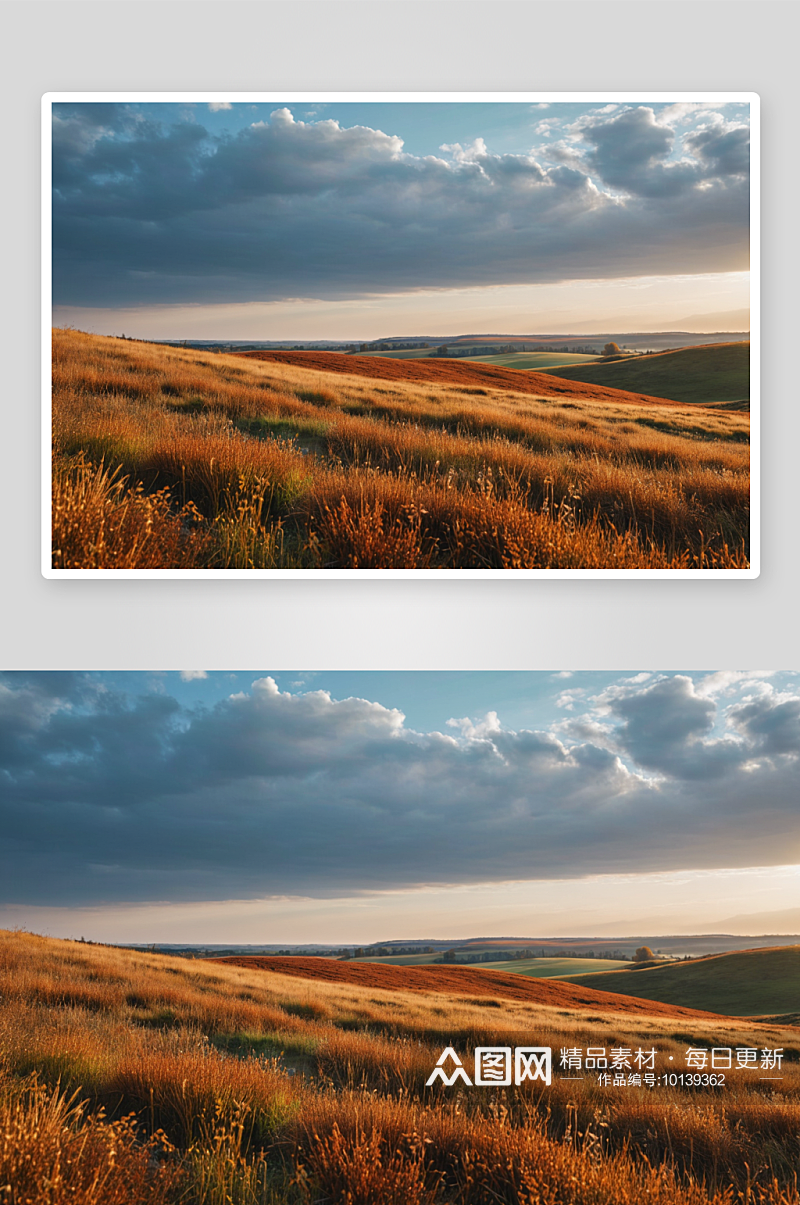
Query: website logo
x=494 y=1066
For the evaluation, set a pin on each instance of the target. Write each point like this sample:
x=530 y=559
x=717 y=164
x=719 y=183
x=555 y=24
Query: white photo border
x=321 y=97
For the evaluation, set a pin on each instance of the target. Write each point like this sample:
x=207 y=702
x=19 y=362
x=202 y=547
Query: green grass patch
x=713 y=373
x=265 y=1045
x=747 y=983
x=529 y=361
x=269 y=427
x=555 y=968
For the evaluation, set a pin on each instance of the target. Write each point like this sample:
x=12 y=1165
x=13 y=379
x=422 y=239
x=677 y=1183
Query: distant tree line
x=384 y=951
x=463 y=958
x=386 y=346
x=502 y=349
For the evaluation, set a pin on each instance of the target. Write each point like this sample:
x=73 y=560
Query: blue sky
x=511 y=129
x=339 y=220
x=339 y=806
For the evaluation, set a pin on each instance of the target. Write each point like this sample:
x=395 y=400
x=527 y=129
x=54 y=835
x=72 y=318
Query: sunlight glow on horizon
x=712 y=302
x=680 y=902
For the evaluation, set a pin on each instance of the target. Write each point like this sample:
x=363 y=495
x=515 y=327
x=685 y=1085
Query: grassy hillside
x=452 y=980
x=559 y=968
x=249 y=1087
x=171 y=458
x=535 y=361
x=540 y=968
x=743 y=984
x=716 y=372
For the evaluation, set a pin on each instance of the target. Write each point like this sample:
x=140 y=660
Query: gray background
x=447 y=45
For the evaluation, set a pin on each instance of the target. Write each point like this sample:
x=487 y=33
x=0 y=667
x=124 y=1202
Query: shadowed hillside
x=464 y=981
x=709 y=374
x=175 y=459
x=460 y=372
x=743 y=984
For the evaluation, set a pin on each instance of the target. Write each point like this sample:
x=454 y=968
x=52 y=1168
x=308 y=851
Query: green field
x=555 y=968
x=717 y=372
x=749 y=983
x=539 y=968
x=537 y=361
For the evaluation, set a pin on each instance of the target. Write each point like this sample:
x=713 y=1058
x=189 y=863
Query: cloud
x=216 y=106
x=724 y=682
x=109 y=796
x=193 y=675
x=147 y=212
x=633 y=151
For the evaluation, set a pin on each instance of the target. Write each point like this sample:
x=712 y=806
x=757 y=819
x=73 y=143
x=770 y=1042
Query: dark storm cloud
x=150 y=213
x=110 y=797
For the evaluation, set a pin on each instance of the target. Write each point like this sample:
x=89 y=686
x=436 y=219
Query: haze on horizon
x=357 y=807
x=355 y=221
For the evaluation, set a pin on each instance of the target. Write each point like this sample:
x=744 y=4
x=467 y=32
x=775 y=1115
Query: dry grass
x=52 y=1153
x=285 y=466
x=197 y=1057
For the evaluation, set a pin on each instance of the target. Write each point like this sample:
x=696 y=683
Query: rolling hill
x=460 y=373
x=137 y=1078
x=556 y=968
x=512 y=359
x=709 y=374
x=461 y=981
x=324 y=461
x=539 y=968
x=746 y=983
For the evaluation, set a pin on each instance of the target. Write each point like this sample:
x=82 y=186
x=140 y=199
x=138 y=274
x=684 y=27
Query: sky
x=353 y=807
x=340 y=220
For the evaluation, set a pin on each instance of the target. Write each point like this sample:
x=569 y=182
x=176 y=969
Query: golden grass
x=52 y=1153
x=197 y=1057
x=288 y=467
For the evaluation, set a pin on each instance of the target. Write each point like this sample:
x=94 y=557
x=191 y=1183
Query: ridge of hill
x=744 y=983
x=462 y=981
x=707 y=374
x=462 y=373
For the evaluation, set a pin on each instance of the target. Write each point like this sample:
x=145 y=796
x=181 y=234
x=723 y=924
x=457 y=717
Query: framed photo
x=392 y=335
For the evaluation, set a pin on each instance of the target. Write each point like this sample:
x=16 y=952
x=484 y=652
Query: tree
x=611 y=349
x=643 y=954
x=449 y=956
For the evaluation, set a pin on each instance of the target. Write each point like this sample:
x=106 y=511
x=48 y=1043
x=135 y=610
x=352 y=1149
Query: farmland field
x=742 y=983
x=535 y=360
x=716 y=372
x=170 y=458
x=516 y=359
x=131 y=1078
x=557 y=968
x=545 y=968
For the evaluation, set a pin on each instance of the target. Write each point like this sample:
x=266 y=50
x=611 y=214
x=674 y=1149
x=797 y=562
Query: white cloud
x=216 y=106
x=193 y=675
x=724 y=682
